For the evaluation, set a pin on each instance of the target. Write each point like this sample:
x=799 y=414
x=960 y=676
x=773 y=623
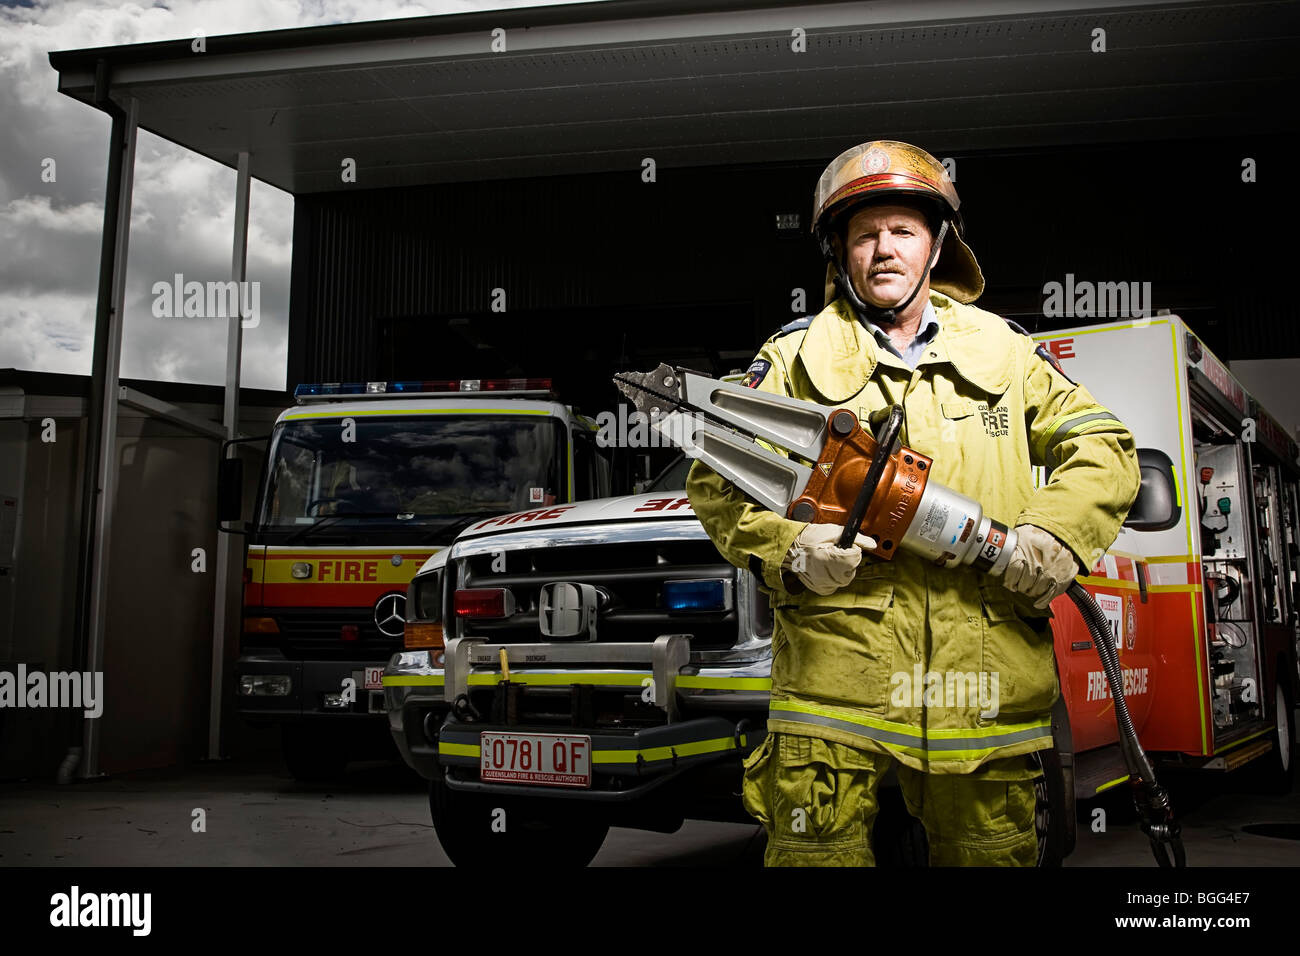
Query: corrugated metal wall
x=568 y=250
x=158 y=623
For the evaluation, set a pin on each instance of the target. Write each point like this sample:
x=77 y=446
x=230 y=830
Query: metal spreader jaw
x=864 y=483
x=719 y=423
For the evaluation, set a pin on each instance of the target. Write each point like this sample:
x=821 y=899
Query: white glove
x=819 y=564
x=1041 y=568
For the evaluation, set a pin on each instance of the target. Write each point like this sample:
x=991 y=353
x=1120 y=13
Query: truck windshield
x=672 y=478
x=422 y=473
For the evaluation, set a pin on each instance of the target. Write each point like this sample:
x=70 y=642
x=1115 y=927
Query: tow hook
x=465 y=710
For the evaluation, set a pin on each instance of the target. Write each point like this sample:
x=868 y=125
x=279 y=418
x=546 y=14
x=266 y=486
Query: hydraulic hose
x=1152 y=800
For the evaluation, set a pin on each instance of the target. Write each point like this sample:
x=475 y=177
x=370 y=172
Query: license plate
x=375 y=678
x=547 y=760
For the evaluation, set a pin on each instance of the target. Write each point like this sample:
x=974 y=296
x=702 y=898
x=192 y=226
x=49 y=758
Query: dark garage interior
x=604 y=272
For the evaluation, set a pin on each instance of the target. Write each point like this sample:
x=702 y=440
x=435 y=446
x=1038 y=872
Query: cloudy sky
x=181 y=217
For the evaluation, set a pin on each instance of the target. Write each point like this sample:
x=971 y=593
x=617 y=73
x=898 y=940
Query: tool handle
x=885 y=439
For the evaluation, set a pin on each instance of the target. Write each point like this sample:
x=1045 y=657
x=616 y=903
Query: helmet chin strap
x=871 y=313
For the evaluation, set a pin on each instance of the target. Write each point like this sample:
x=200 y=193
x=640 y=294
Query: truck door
x=1290 y=569
x=591 y=468
x=1275 y=596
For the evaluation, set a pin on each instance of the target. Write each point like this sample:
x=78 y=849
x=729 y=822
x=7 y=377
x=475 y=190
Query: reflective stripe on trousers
x=935 y=745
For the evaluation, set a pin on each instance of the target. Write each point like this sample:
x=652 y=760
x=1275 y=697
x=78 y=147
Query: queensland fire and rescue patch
x=1130 y=622
x=755 y=374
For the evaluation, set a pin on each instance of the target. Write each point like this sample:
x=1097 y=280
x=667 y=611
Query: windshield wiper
x=311 y=528
x=330 y=520
x=453 y=528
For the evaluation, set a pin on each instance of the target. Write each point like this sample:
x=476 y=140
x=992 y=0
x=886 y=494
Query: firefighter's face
x=886 y=250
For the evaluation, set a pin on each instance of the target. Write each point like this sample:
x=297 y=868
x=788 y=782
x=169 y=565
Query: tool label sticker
x=935 y=518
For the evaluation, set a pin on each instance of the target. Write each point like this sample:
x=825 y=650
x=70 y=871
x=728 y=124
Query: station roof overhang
x=601 y=86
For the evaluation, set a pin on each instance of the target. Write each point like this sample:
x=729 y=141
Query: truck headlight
x=265 y=685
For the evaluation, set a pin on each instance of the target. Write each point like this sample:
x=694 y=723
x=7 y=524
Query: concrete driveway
x=255 y=814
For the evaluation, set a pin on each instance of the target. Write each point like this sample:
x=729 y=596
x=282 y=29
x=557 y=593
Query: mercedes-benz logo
x=390 y=614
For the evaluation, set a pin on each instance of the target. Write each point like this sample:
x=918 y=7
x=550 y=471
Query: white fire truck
x=361 y=484
x=601 y=665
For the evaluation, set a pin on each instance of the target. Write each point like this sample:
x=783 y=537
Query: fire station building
x=571 y=191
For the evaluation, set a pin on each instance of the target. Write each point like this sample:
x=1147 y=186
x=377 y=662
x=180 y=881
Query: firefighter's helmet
x=886 y=170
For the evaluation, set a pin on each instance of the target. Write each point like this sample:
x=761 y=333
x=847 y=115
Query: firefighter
x=946 y=674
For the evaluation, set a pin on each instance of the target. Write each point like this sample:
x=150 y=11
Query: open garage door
x=580 y=349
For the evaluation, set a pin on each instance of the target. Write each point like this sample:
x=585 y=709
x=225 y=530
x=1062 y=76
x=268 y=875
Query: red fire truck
x=362 y=483
x=1204 y=614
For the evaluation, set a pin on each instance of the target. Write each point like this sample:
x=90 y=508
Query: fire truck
x=1204 y=613
x=361 y=484
x=601 y=665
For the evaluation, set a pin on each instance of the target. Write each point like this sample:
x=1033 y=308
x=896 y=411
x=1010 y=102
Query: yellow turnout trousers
x=817 y=800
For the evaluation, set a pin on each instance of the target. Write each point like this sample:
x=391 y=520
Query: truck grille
x=313 y=634
x=630 y=575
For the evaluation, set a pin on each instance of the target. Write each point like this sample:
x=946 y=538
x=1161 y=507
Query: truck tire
x=313 y=755
x=1274 y=773
x=481 y=830
x=1054 y=813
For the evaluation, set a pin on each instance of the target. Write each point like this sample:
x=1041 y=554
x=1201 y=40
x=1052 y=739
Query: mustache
x=887 y=266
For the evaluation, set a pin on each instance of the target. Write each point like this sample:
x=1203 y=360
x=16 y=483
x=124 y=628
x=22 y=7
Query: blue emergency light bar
x=710 y=595
x=495 y=386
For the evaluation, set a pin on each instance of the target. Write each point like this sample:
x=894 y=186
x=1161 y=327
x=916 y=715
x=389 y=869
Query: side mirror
x=230 y=490
x=1156 y=507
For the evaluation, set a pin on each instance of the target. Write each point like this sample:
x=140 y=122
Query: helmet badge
x=875 y=160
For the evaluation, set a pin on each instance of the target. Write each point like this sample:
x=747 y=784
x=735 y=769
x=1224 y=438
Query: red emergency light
x=515 y=385
x=483 y=602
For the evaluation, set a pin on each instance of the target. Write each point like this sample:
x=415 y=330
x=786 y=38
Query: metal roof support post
x=230 y=419
x=101 y=443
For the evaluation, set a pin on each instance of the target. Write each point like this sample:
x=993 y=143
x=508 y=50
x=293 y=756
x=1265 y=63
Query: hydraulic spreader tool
x=869 y=484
